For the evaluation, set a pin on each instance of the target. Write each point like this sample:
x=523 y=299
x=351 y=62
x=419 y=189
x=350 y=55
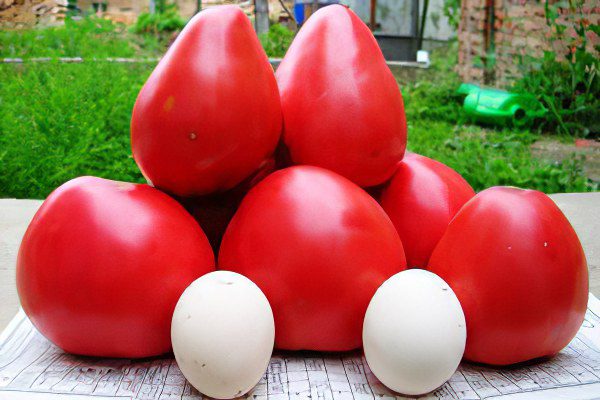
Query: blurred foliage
x=89 y=37
x=451 y=9
x=60 y=120
x=432 y=95
x=277 y=40
x=489 y=158
x=165 y=19
x=484 y=156
x=93 y=37
x=569 y=89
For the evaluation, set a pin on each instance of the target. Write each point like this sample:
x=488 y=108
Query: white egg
x=223 y=334
x=414 y=332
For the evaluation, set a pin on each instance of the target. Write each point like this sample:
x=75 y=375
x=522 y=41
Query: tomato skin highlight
x=209 y=114
x=421 y=199
x=519 y=271
x=342 y=107
x=103 y=263
x=318 y=246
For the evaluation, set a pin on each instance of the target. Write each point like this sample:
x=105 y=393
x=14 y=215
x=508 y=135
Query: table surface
x=582 y=209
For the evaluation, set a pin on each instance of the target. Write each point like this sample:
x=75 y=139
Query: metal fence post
x=261 y=15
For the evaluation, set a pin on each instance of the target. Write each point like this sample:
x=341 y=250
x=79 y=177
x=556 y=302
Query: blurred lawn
x=59 y=121
x=484 y=156
x=88 y=38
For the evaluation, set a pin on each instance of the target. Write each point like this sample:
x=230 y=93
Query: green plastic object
x=499 y=107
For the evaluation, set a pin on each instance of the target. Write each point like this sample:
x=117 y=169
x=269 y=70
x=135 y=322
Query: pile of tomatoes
x=299 y=181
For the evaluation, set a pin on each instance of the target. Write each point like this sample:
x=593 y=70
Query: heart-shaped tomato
x=520 y=273
x=209 y=115
x=342 y=107
x=421 y=199
x=103 y=263
x=318 y=246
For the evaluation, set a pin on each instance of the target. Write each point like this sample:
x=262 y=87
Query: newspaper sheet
x=32 y=368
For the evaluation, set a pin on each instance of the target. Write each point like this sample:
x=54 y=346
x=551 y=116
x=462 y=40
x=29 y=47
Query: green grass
x=483 y=155
x=488 y=158
x=59 y=121
x=89 y=38
x=277 y=40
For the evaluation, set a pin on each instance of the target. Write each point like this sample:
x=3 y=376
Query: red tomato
x=519 y=271
x=103 y=264
x=421 y=199
x=342 y=107
x=209 y=114
x=319 y=247
x=213 y=212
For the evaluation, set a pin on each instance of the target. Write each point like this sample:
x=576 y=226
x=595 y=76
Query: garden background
x=61 y=120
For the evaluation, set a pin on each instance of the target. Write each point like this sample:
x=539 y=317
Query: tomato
x=342 y=107
x=209 y=115
x=103 y=263
x=520 y=273
x=213 y=212
x=318 y=246
x=421 y=199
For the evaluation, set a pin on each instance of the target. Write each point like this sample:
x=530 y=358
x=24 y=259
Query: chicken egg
x=222 y=334
x=414 y=332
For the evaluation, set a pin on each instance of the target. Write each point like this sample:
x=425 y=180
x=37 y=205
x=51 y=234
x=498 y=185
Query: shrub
x=433 y=96
x=166 y=19
x=277 y=40
x=569 y=89
x=485 y=157
x=90 y=37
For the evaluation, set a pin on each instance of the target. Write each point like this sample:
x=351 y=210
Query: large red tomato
x=209 y=114
x=421 y=199
x=103 y=264
x=319 y=247
x=342 y=107
x=519 y=271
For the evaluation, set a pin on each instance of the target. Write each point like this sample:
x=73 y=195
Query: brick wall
x=495 y=35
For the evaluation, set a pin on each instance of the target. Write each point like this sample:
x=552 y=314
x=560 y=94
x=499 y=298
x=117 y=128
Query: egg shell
x=414 y=332
x=223 y=334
